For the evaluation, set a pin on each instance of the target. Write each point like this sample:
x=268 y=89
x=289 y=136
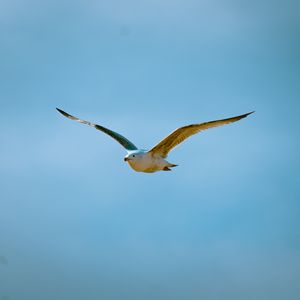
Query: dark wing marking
x=118 y=137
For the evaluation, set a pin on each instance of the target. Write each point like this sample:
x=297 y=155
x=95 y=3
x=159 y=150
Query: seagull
x=153 y=160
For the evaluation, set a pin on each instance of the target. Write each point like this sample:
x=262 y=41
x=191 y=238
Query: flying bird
x=154 y=160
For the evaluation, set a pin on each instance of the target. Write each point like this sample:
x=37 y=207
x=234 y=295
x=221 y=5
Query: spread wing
x=182 y=133
x=118 y=137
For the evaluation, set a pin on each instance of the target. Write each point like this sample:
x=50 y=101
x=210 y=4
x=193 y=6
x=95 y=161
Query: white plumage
x=154 y=159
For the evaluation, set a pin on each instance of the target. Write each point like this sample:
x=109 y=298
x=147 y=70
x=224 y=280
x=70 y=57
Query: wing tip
x=247 y=114
x=59 y=110
x=63 y=112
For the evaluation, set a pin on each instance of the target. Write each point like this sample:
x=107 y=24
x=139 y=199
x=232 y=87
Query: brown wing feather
x=182 y=133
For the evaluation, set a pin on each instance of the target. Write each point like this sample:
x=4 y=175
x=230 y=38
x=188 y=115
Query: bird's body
x=153 y=160
x=143 y=161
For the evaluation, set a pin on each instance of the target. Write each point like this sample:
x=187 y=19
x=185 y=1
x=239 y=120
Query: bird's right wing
x=182 y=133
x=118 y=137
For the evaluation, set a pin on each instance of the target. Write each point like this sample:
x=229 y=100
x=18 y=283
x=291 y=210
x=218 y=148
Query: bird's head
x=132 y=157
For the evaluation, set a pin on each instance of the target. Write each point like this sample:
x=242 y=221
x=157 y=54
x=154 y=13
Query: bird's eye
x=133 y=155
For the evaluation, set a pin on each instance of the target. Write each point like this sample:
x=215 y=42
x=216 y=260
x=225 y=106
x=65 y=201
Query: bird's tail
x=167 y=167
x=172 y=165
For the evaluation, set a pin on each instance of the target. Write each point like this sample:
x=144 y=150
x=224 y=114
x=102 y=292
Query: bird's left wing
x=182 y=133
x=118 y=137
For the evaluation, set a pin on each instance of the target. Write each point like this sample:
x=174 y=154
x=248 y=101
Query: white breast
x=148 y=164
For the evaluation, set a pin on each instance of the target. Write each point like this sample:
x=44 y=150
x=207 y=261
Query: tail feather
x=172 y=165
x=166 y=169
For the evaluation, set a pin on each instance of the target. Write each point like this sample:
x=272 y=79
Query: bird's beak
x=125 y=158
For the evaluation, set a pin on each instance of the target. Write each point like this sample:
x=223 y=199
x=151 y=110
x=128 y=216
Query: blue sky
x=76 y=222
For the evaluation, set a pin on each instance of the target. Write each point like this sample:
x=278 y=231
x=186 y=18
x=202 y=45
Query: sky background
x=77 y=223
